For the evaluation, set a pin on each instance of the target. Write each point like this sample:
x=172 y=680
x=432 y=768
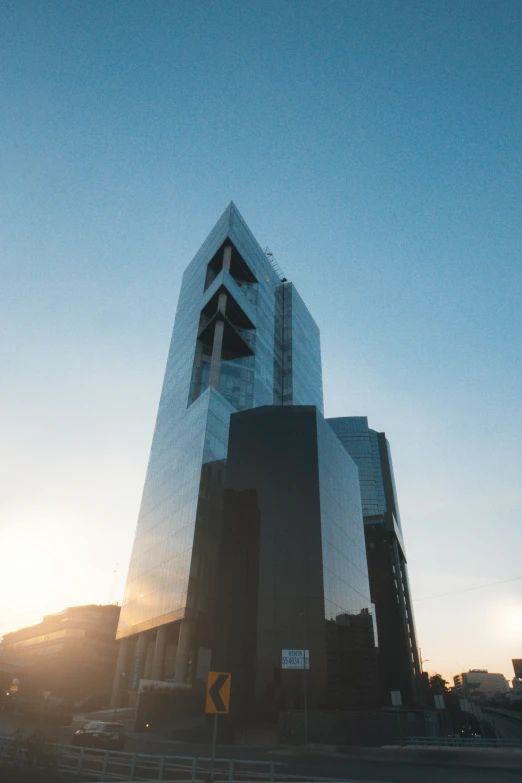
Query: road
x=371 y=765
x=404 y=766
x=505 y=726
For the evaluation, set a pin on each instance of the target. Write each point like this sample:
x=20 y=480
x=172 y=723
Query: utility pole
x=305 y=697
x=303 y=615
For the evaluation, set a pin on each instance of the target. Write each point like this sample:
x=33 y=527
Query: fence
x=106 y=765
x=463 y=742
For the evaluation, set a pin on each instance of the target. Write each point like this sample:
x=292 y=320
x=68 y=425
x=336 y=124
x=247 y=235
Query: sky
x=374 y=147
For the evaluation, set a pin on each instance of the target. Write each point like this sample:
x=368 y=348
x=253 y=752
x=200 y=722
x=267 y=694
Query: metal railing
x=463 y=742
x=273 y=263
x=105 y=765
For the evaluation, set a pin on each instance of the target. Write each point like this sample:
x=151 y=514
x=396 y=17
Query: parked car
x=99 y=734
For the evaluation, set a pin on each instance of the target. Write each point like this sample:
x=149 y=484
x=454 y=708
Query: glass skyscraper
x=399 y=664
x=242 y=339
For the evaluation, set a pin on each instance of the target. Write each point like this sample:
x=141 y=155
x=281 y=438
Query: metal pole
x=426 y=723
x=443 y=724
x=305 y=698
x=304 y=616
x=214 y=737
x=400 y=725
x=105 y=765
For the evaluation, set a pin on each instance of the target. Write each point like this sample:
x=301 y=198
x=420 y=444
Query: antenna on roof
x=273 y=263
x=112 y=586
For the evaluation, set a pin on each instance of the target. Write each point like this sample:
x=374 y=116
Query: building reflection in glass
x=293 y=569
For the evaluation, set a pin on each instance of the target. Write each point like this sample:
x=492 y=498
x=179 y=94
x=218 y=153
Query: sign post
x=396 y=700
x=439 y=705
x=299 y=659
x=214 y=739
x=218 y=703
x=305 y=659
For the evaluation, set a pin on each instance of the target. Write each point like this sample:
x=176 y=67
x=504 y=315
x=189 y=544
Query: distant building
x=480 y=684
x=399 y=663
x=517 y=686
x=71 y=653
x=7 y=672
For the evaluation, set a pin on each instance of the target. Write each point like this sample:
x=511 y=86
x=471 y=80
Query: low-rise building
x=516 y=682
x=71 y=653
x=480 y=684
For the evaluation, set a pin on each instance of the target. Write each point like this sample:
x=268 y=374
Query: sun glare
x=37 y=564
x=511 y=621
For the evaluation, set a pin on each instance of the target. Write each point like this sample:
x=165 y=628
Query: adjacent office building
x=242 y=339
x=399 y=663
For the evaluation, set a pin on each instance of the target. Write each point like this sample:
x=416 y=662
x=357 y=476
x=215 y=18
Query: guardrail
x=463 y=742
x=105 y=765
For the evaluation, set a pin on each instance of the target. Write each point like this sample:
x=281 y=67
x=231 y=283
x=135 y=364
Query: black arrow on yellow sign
x=218 y=693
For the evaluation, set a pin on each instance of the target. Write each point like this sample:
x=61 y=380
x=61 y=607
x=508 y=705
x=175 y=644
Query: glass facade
x=298 y=351
x=231 y=350
x=399 y=664
x=293 y=509
x=361 y=444
x=345 y=572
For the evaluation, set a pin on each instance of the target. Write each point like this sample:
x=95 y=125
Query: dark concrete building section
x=399 y=663
x=235 y=610
x=293 y=566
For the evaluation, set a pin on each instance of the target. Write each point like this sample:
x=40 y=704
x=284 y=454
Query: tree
x=438 y=686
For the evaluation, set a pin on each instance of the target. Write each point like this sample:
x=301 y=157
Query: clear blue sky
x=375 y=147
